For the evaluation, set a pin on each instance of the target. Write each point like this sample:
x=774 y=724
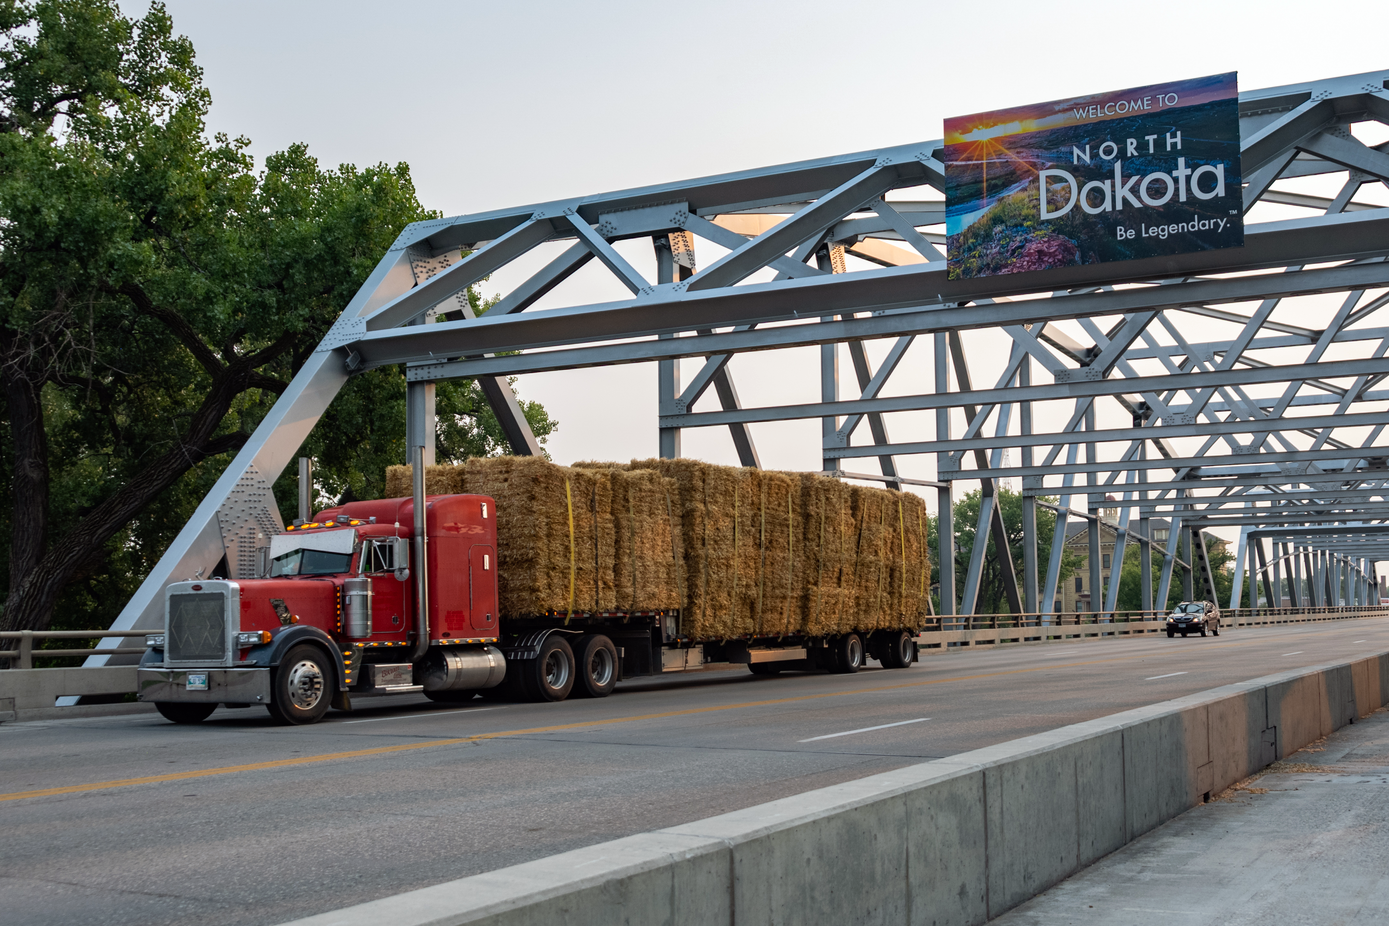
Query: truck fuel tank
x=467 y=669
x=356 y=611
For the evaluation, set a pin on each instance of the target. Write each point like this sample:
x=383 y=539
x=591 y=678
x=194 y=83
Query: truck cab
x=334 y=613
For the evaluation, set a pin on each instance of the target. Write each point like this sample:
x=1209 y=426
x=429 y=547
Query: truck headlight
x=154 y=640
x=252 y=637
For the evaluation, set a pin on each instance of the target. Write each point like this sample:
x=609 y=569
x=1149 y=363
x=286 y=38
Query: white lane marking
x=1298 y=653
x=830 y=736
x=1353 y=642
x=1168 y=675
x=470 y=710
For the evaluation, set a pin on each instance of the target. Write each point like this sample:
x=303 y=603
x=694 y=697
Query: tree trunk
x=29 y=517
x=32 y=599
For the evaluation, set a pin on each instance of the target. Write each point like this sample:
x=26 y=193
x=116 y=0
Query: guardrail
x=948 y=629
x=970 y=629
x=22 y=657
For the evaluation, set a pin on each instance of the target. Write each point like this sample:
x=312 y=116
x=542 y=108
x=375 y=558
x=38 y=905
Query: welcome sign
x=1145 y=172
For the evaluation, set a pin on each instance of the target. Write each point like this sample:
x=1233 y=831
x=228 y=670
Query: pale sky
x=503 y=104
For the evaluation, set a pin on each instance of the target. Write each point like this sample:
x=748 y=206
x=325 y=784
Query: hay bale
x=539 y=558
x=741 y=552
x=912 y=569
x=777 y=608
x=873 y=559
x=718 y=506
x=444 y=479
x=647 y=571
x=828 y=544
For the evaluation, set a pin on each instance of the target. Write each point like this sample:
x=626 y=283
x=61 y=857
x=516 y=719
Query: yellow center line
x=556 y=728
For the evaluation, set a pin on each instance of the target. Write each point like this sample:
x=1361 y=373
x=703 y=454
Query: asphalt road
x=238 y=821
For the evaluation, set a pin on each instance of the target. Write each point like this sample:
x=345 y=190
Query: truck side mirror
x=402 y=559
x=262 y=562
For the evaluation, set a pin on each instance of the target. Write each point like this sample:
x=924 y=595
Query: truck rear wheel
x=848 y=654
x=184 y=713
x=550 y=675
x=899 y=650
x=596 y=662
x=303 y=686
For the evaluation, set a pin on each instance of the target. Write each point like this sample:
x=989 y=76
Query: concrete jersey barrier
x=952 y=841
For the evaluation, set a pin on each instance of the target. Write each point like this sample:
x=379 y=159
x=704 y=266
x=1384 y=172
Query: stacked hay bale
x=438 y=480
x=741 y=552
x=555 y=533
x=715 y=516
x=647 y=570
x=830 y=547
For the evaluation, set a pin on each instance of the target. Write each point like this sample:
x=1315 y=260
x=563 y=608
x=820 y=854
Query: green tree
x=1130 y=596
x=157 y=294
x=992 y=596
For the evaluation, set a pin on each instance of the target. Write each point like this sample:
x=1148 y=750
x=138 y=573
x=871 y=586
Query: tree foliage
x=992 y=596
x=1130 y=596
x=157 y=294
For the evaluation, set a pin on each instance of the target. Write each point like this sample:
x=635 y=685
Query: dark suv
x=1194 y=615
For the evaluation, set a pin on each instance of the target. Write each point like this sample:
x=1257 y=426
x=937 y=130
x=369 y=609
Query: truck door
x=482 y=586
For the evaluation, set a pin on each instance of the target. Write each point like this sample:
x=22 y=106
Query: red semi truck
x=345 y=610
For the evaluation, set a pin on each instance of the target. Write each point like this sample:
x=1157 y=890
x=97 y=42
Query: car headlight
x=252 y=637
x=154 y=640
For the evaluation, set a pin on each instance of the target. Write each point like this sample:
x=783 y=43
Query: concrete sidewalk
x=1305 y=842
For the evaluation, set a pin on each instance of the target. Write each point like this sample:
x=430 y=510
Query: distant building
x=1074 y=594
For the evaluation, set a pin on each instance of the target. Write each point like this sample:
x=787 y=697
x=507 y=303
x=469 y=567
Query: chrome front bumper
x=224 y=686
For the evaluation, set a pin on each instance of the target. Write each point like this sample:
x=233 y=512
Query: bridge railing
x=1050 y=623
x=23 y=653
x=1005 y=628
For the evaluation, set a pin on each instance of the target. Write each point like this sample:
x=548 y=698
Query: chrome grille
x=197 y=628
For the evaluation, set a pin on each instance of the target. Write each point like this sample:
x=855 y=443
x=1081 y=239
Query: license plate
x=196 y=682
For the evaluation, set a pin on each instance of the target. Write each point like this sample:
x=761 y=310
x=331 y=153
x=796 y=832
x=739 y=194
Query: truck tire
x=899 y=650
x=303 y=686
x=848 y=654
x=550 y=675
x=595 y=660
x=184 y=713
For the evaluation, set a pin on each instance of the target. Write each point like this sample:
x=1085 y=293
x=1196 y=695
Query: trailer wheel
x=303 y=686
x=848 y=654
x=595 y=658
x=899 y=650
x=550 y=675
x=184 y=713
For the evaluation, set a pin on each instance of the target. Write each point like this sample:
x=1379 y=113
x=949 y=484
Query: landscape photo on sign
x=1147 y=172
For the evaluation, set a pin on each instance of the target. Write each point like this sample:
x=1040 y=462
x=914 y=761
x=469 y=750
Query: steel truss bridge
x=1242 y=387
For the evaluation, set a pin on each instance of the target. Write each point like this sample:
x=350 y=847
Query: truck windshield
x=310 y=563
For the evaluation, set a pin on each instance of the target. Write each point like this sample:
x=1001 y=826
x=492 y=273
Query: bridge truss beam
x=1236 y=387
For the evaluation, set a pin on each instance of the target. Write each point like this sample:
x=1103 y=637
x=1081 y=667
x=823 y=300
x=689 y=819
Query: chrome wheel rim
x=305 y=685
x=556 y=670
x=854 y=650
x=600 y=666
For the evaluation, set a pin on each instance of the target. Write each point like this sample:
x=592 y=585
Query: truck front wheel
x=303 y=686
x=550 y=675
x=184 y=713
x=596 y=661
